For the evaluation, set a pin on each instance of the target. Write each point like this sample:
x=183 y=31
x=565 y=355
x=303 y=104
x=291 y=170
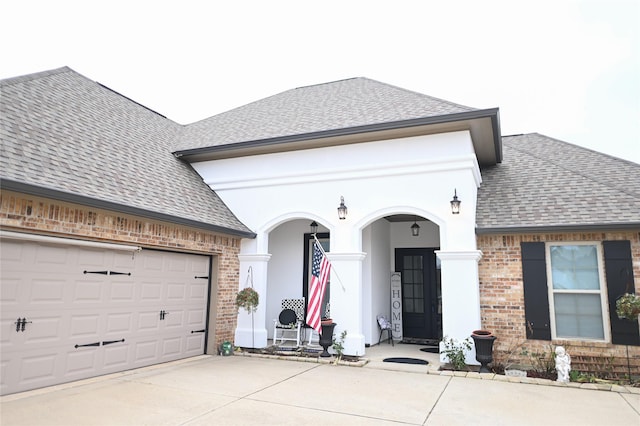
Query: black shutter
x=619 y=275
x=536 y=294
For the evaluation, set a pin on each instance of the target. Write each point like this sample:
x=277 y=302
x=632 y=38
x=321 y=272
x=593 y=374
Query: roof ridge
x=35 y=76
x=633 y=163
x=421 y=94
x=325 y=83
x=578 y=171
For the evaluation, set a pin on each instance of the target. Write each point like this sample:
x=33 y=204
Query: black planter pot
x=326 y=338
x=483 y=341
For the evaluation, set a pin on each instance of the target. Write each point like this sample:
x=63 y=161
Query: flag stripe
x=319 y=276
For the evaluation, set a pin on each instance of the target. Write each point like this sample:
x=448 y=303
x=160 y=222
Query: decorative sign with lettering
x=396 y=305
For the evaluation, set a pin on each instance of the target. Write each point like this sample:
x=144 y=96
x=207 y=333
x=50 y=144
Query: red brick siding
x=502 y=295
x=20 y=212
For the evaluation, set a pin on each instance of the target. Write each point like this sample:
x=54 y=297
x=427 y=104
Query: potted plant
x=483 y=342
x=247 y=299
x=628 y=307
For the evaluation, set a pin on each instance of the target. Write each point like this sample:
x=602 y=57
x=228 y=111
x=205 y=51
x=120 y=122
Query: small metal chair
x=385 y=325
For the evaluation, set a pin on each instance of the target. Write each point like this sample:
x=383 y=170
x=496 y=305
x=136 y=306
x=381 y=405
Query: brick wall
x=502 y=298
x=25 y=213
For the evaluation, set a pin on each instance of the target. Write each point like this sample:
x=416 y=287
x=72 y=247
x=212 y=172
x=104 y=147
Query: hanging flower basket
x=247 y=299
x=628 y=307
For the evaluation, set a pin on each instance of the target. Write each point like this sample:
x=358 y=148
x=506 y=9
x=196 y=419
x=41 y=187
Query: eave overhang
x=559 y=228
x=484 y=126
x=39 y=191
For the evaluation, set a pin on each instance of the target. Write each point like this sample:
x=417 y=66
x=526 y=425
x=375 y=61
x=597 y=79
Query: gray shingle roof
x=63 y=132
x=544 y=183
x=338 y=105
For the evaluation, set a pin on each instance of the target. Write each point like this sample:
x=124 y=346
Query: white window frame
x=602 y=292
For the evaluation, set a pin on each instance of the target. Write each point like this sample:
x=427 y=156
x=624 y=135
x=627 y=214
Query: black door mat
x=418 y=341
x=406 y=361
x=432 y=350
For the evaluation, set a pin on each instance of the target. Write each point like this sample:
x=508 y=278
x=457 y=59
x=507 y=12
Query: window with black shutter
x=562 y=297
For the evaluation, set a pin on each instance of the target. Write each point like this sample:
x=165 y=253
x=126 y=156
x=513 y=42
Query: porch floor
x=376 y=354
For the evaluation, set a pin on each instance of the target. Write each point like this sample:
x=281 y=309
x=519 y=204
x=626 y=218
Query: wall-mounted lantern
x=455 y=203
x=342 y=209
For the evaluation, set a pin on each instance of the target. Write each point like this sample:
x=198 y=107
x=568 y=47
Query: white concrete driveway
x=240 y=390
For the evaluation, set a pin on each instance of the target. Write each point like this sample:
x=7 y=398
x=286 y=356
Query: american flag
x=319 y=275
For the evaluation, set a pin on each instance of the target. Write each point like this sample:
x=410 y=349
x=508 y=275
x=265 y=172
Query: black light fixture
x=314 y=227
x=455 y=203
x=342 y=209
x=415 y=228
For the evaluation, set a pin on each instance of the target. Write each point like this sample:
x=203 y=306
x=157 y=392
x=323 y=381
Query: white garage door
x=70 y=312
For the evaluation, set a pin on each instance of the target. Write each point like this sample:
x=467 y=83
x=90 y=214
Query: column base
x=244 y=338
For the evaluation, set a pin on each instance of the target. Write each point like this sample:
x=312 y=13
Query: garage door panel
x=150 y=291
x=38 y=367
x=196 y=317
x=194 y=343
x=82 y=326
x=122 y=291
x=10 y=293
x=92 y=258
x=47 y=291
x=118 y=323
x=116 y=357
x=148 y=321
x=53 y=256
x=173 y=320
x=65 y=307
x=82 y=362
x=152 y=262
x=171 y=347
x=88 y=291
x=198 y=292
x=176 y=291
x=179 y=265
x=44 y=331
x=146 y=350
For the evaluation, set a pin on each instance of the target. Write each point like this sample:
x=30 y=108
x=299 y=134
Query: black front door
x=421 y=308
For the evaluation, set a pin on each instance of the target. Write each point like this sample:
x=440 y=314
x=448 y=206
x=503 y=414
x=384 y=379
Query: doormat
x=417 y=341
x=406 y=361
x=433 y=350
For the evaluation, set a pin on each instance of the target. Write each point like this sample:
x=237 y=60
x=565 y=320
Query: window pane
x=574 y=267
x=418 y=290
x=408 y=290
x=408 y=305
x=578 y=315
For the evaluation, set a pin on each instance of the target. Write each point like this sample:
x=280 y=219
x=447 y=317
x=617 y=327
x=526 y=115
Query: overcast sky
x=566 y=69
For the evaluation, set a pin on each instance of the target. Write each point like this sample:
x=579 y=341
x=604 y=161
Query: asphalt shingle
x=62 y=131
x=337 y=105
x=543 y=182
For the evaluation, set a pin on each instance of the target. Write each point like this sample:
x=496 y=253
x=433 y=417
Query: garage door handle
x=108 y=342
x=97 y=272
x=198 y=331
x=201 y=278
x=119 y=273
x=88 y=344
x=21 y=324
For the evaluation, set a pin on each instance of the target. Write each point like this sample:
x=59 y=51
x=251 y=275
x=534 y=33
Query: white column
x=346 y=299
x=251 y=331
x=460 y=295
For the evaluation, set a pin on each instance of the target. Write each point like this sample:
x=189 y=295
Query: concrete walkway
x=243 y=390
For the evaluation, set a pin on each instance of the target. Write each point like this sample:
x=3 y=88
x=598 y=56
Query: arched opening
x=394 y=252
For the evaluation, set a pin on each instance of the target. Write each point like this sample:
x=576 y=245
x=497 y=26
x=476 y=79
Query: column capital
x=346 y=257
x=459 y=255
x=258 y=257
